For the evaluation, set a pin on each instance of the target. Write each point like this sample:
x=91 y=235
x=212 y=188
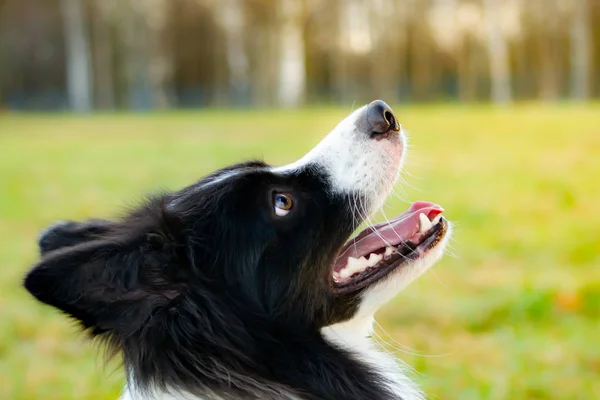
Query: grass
x=513 y=314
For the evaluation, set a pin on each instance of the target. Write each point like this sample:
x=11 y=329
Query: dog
x=246 y=284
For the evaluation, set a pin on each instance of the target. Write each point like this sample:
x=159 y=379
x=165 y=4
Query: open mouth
x=379 y=250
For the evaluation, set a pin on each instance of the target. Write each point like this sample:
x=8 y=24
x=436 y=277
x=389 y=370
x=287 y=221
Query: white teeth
x=355 y=265
x=388 y=251
x=425 y=223
x=345 y=273
x=436 y=219
x=336 y=276
x=374 y=259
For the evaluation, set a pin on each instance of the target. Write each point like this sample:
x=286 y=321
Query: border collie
x=246 y=284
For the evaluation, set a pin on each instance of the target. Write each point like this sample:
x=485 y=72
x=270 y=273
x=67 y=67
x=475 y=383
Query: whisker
x=400 y=196
x=387 y=244
x=406 y=183
x=386 y=346
x=408 y=350
x=437 y=278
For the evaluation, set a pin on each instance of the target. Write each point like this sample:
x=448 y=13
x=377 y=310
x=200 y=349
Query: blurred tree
x=144 y=54
x=103 y=53
x=387 y=27
x=79 y=69
x=198 y=49
x=160 y=55
x=498 y=54
x=291 y=53
x=548 y=46
x=342 y=51
x=421 y=50
x=232 y=18
x=457 y=30
x=263 y=38
x=580 y=50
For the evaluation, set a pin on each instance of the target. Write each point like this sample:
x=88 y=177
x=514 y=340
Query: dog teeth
x=374 y=259
x=388 y=251
x=345 y=273
x=355 y=265
x=436 y=219
x=425 y=223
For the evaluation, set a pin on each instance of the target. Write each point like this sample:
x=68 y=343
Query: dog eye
x=283 y=204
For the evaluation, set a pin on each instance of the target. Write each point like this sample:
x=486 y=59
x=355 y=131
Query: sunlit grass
x=514 y=315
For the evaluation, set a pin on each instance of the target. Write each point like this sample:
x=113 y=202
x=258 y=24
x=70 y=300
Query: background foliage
x=145 y=54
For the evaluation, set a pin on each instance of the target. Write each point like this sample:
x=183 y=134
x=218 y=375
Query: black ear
x=115 y=283
x=69 y=233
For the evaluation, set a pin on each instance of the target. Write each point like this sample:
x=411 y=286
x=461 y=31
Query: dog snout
x=381 y=119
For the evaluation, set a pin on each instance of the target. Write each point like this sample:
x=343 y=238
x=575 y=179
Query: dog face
x=249 y=244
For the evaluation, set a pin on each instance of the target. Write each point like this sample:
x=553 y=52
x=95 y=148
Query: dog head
x=247 y=243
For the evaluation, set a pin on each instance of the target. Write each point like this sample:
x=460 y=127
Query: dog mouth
x=381 y=249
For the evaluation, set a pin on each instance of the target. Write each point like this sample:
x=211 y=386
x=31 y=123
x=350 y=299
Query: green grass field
x=512 y=313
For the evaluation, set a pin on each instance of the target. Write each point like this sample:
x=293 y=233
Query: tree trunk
x=340 y=66
x=147 y=62
x=103 y=56
x=498 y=54
x=467 y=69
x=291 y=56
x=160 y=58
x=384 y=75
x=231 y=17
x=135 y=57
x=421 y=45
x=79 y=70
x=580 y=51
x=547 y=35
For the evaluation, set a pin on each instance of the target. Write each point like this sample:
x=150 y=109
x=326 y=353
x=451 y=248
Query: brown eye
x=283 y=204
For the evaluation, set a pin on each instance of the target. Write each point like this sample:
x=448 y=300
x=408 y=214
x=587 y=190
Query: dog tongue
x=399 y=230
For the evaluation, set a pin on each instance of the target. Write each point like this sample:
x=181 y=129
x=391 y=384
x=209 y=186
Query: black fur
x=206 y=290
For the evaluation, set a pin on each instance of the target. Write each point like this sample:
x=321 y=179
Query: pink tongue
x=398 y=230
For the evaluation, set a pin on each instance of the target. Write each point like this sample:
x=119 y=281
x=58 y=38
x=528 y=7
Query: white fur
x=355 y=162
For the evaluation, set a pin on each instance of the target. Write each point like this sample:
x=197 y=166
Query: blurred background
x=149 y=54
x=104 y=101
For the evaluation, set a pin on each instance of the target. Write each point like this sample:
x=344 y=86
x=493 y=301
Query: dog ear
x=114 y=283
x=69 y=233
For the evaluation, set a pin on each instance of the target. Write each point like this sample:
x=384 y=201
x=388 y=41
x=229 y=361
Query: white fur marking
x=355 y=162
x=351 y=337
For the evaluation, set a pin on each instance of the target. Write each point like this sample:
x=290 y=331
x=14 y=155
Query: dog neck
x=352 y=337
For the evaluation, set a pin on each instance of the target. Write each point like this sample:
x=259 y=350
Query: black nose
x=380 y=118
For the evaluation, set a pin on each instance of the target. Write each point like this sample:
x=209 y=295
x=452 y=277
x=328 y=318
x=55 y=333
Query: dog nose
x=381 y=119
